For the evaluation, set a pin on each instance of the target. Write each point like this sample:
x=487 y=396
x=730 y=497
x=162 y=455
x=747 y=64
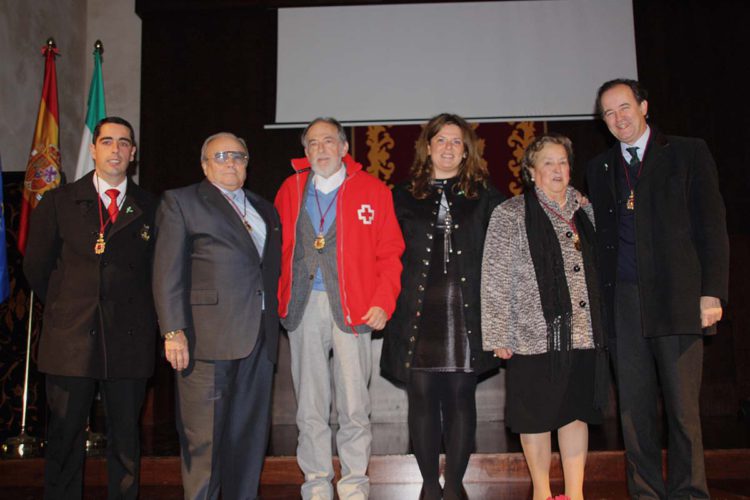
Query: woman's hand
x=503 y=353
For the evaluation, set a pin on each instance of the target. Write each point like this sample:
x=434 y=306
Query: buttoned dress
x=436 y=325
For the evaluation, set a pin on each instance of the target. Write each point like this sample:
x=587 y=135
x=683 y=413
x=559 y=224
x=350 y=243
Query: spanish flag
x=43 y=168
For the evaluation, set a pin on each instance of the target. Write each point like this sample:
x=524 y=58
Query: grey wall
x=25 y=26
x=24 y=29
x=116 y=24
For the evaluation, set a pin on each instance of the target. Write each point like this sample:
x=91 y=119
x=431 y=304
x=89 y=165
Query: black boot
x=455 y=493
x=431 y=492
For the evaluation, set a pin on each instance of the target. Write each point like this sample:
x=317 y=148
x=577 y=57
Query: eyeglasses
x=236 y=156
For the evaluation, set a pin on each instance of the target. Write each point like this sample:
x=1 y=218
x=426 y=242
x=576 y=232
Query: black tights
x=428 y=392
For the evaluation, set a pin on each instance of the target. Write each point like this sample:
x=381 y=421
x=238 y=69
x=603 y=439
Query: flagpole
x=28 y=363
x=23 y=445
x=96 y=442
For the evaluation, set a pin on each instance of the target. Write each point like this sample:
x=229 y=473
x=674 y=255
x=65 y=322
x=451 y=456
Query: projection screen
x=488 y=61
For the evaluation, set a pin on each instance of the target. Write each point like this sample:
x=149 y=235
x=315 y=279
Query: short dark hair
x=324 y=119
x=640 y=93
x=113 y=119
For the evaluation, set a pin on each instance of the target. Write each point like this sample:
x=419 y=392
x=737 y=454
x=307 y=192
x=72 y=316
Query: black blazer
x=99 y=316
x=416 y=218
x=682 y=247
x=208 y=277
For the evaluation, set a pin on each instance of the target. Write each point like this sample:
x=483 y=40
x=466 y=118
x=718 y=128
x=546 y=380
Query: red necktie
x=112 y=209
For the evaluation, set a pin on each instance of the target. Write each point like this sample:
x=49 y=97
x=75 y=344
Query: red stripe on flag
x=43 y=167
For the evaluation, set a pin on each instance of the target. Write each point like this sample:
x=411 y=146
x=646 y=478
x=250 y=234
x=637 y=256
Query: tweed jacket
x=417 y=221
x=512 y=315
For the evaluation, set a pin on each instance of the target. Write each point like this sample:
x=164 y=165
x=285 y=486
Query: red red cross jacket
x=368 y=238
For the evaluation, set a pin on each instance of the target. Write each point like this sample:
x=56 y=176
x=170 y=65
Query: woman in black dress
x=433 y=342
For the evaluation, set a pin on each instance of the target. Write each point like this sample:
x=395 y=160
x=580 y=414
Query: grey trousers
x=311 y=345
x=643 y=365
x=223 y=421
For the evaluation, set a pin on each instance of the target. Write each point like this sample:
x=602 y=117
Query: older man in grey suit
x=216 y=273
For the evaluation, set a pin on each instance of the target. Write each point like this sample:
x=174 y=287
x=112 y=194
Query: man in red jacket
x=340 y=276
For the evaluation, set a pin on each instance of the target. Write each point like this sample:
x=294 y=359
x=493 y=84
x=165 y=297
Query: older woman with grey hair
x=541 y=312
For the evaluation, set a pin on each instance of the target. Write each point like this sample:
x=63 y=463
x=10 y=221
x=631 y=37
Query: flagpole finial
x=51 y=43
x=99 y=47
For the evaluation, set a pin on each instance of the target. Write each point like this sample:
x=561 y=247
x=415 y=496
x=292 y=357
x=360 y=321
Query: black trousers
x=223 y=422
x=643 y=365
x=69 y=400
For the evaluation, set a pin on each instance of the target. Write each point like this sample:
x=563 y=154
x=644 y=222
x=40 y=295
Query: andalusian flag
x=95 y=112
x=43 y=168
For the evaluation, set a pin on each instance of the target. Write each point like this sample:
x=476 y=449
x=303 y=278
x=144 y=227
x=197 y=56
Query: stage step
x=602 y=466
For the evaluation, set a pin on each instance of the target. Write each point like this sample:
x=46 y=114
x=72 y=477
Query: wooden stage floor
x=497 y=469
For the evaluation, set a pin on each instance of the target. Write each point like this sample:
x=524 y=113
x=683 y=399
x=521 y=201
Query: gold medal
x=99 y=245
x=630 y=204
x=577 y=241
x=319 y=243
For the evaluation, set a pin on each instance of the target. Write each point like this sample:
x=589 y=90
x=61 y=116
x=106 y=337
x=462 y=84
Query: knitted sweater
x=512 y=314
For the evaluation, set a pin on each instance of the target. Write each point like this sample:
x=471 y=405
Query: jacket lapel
x=656 y=153
x=264 y=210
x=214 y=197
x=129 y=212
x=609 y=169
x=86 y=200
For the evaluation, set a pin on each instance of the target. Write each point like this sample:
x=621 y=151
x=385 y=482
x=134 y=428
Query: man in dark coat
x=88 y=258
x=662 y=237
x=216 y=272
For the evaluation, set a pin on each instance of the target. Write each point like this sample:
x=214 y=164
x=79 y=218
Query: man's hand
x=176 y=350
x=503 y=353
x=710 y=311
x=582 y=200
x=375 y=318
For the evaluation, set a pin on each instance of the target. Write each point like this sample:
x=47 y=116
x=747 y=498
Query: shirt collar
x=641 y=144
x=101 y=186
x=326 y=185
x=235 y=195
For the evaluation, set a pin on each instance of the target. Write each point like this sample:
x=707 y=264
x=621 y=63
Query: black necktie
x=635 y=163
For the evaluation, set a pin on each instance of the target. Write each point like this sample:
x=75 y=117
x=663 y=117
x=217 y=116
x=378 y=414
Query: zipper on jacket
x=340 y=240
x=294 y=245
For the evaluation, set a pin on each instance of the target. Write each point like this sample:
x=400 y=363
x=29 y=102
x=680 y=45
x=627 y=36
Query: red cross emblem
x=366 y=214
